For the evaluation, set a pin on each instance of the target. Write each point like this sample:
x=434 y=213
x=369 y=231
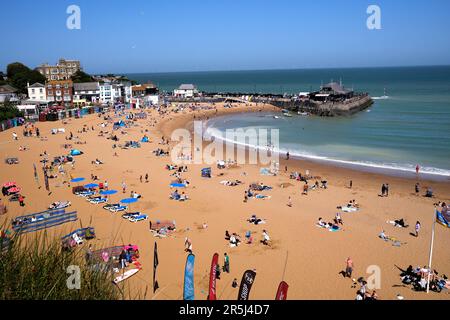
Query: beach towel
x=349 y=209
x=261 y=196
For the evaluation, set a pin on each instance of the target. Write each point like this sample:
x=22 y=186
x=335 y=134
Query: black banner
x=246 y=284
x=155 y=265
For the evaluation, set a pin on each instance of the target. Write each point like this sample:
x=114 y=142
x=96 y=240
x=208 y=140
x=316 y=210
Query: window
x=50 y=92
x=41 y=90
x=32 y=91
x=66 y=85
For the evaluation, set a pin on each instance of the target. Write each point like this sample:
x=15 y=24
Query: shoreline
x=323 y=167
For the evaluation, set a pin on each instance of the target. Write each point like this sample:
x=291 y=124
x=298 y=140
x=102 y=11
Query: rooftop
x=37 y=85
x=7 y=89
x=86 y=86
x=186 y=87
x=336 y=87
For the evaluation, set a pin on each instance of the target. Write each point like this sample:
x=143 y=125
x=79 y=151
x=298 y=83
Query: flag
x=246 y=284
x=188 y=287
x=212 y=277
x=443 y=218
x=47 y=186
x=155 y=265
x=282 y=291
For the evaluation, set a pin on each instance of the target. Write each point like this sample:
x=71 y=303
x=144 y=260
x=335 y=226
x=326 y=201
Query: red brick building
x=60 y=92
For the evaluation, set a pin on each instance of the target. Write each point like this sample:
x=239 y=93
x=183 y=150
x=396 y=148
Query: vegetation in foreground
x=35 y=268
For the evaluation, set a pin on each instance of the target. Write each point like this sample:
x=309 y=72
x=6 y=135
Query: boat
x=303 y=114
x=287 y=115
x=127 y=274
x=276 y=117
x=383 y=97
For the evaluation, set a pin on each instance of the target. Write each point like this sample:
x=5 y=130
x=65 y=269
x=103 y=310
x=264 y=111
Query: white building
x=185 y=91
x=86 y=92
x=110 y=93
x=8 y=94
x=30 y=111
x=37 y=92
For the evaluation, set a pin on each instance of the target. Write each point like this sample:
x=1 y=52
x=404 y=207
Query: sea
x=408 y=124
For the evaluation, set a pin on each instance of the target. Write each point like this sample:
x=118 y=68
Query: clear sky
x=120 y=36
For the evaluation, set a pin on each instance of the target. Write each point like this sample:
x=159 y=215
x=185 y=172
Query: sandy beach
x=314 y=255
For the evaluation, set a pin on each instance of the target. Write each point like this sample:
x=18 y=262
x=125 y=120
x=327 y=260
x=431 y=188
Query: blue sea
x=410 y=127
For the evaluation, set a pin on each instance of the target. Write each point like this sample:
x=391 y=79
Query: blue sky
x=195 y=35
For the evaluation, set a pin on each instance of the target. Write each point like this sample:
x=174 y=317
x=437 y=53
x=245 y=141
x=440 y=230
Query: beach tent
x=75 y=152
x=144 y=139
x=206 y=172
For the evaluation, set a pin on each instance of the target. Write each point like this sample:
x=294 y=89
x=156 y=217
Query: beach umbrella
x=14 y=190
x=128 y=200
x=108 y=192
x=77 y=180
x=9 y=184
x=91 y=185
x=177 y=185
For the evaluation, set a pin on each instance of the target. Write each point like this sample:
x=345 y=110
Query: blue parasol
x=177 y=185
x=108 y=192
x=129 y=200
x=91 y=185
x=77 y=180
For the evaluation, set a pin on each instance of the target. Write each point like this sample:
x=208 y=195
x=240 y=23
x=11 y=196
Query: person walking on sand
x=124 y=187
x=14 y=136
x=387 y=189
x=351 y=184
x=348 y=267
x=417 y=228
x=140 y=179
x=21 y=201
x=417 y=169
x=226 y=263
x=266 y=238
x=383 y=190
x=417 y=188
x=289 y=204
x=146 y=178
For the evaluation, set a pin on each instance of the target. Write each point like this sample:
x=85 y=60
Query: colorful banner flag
x=155 y=265
x=443 y=218
x=246 y=284
x=188 y=288
x=282 y=291
x=212 y=277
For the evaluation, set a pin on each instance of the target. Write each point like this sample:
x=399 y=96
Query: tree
x=19 y=75
x=9 y=111
x=81 y=76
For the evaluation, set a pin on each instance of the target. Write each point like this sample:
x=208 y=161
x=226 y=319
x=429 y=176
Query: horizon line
x=278 y=69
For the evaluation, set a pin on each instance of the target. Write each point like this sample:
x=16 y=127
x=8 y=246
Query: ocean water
x=411 y=126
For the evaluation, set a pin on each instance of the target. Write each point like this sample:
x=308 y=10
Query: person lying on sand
x=398 y=223
x=235 y=240
x=97 y=161
x=255 y=220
